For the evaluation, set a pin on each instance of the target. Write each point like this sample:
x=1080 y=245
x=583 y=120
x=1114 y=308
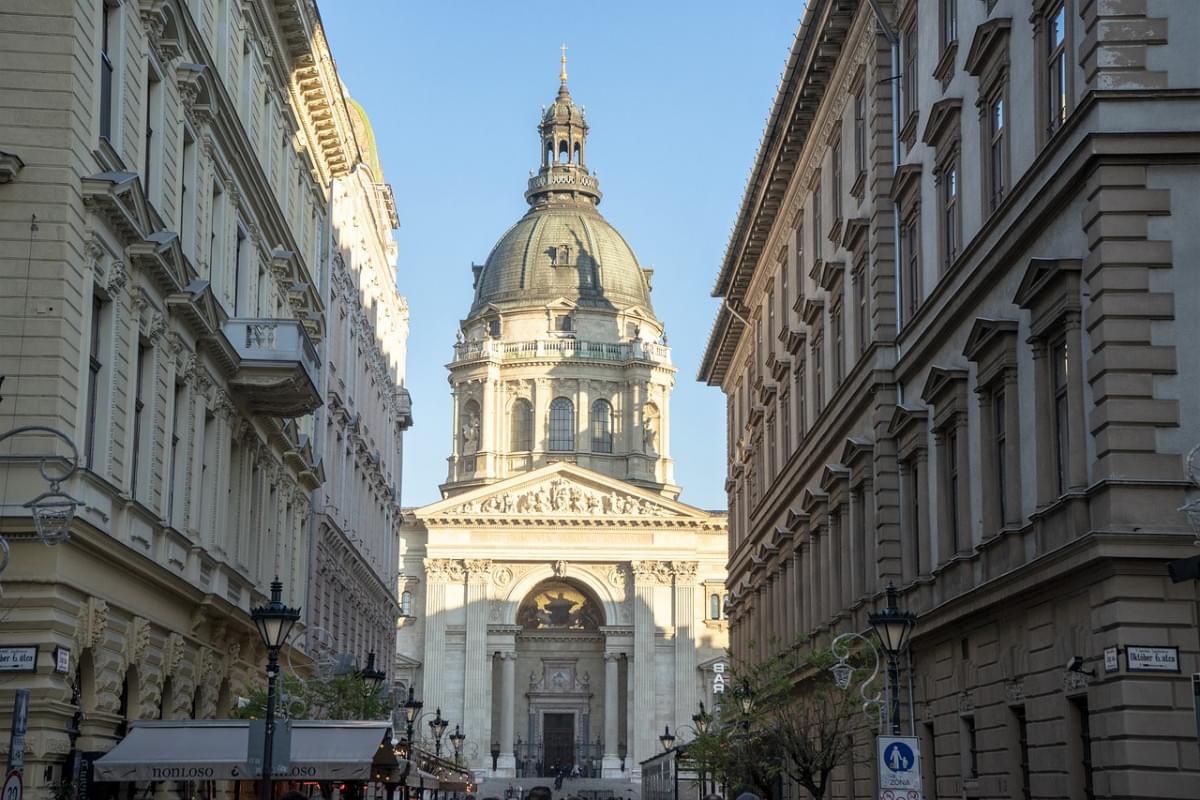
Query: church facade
x=559 y=603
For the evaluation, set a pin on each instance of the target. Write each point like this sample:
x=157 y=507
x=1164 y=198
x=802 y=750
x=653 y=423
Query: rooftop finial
x=562 y=73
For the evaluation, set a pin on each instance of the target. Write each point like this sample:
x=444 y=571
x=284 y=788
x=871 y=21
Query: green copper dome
x=568 y=251
x=562 y=247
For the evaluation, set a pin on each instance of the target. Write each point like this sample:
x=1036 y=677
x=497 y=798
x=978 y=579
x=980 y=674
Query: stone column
x=506 y=765
x=646 y=576
x=610 y=765
x=438 y=572
x=685 y=641
x=477 y=678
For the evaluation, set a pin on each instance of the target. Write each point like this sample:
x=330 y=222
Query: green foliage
x=800 y=726
x=341 y=697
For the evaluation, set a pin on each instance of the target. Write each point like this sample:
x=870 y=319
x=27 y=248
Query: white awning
x=195 y=751
x=218 y=750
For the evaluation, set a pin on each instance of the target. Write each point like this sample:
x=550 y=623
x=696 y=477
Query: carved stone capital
x=445 y=570
x=651 y=572
x=685 y=571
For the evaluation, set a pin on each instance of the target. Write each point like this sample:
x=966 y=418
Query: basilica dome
x=567 y=251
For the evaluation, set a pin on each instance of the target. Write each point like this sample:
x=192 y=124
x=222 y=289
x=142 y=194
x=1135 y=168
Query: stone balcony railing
x=278 y=366
x=575 y=349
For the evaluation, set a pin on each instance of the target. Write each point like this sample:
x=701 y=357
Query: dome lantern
x=563 y=177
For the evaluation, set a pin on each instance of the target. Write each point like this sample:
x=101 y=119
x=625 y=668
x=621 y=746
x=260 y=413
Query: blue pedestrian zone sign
x=899 y=767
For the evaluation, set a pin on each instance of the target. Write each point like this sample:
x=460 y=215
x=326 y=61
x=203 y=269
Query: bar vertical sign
x=20 y=721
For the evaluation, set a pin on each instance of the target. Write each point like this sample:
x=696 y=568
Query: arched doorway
x=561 y=649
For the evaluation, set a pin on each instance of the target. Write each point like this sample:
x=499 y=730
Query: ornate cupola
x=563 y=177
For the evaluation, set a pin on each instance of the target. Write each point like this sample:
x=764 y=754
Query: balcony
x=277 y=373
x=561 y=349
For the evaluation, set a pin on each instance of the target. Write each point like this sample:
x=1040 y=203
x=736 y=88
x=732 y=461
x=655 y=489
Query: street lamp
x=274 y=622
x=702 y=720
x=437 y=726
x=456 y=741
x=412 y=707
x=371 y=675
x=893 y=626
x=667 y=739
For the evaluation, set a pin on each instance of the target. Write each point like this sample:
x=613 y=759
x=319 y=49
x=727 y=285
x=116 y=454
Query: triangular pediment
x=564 y=493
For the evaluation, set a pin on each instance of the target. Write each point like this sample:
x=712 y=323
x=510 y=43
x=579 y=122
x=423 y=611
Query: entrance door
x=558 y=733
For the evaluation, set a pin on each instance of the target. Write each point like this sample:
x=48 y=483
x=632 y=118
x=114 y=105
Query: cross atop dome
x=562 y=73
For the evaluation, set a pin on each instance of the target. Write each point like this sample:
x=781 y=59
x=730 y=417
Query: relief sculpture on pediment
x=560 y=496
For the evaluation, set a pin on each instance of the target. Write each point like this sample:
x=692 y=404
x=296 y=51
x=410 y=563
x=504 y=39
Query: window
x=1081 y=749
x=799 y=256
x=562 y=425
x=109 y=46
x=1022 y=737
x=949 y=22
x=176 y=423
x=521 y=426
x=493 y=328
x=951 y=485
x=818 y=360
x=861 y=311
x=908 y=80
x=562 y=255
x=602 y=438
x=929 y=761
x=837 y=343
x=770 y=320
x=911 y=245
x=1062 y=421
x=950 y=213
x=860 y=134
x=1054 y=23
x=151 y=145
x=916 y=490
x=714 y=606
x=406 y=604
x=785 y=417
x=801 y=398
x=997 y=167
x=216 y=237
x=969 y=744
x=139 y=405
x=562 y=322
x=187 y=196
x=999 y=454
x=93 y=390
x=816 y=231
x=835 y=175
x=241 y=274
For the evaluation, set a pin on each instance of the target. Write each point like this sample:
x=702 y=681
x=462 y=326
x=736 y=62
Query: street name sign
x=18 y=659
x=1151 y=659
x=899 y=767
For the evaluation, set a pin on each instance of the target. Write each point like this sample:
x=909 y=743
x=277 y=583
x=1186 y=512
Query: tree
x=799 y=726
x=346 y=696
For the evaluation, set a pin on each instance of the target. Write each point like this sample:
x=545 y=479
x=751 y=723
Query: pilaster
x=647 y=575
x=685 y=641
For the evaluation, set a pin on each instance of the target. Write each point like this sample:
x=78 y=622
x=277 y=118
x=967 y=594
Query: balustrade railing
x=496 y=350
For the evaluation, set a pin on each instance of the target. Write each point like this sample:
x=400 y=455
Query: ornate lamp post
x=702 y=721
x=667 y=738
x=437 y=726
x=53 y=510
x=456 y=741
x=843 y=672
x=372 y=678
x=893 y=627
x=274 y=622
x=412 y=708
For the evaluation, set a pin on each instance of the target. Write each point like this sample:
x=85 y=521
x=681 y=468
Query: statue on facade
x=470 y=434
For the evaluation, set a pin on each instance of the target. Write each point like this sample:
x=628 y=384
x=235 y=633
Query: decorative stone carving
x=651 y=572
x=685 y=571
x=137 y=637
x=1014 y=692
x=561 y=496
x=173 y=651
x=502 y=576
x=444 y=569
x=93 y=623
x=616 y=576
x=478 y=569
x=560 y=569
x=117 y=278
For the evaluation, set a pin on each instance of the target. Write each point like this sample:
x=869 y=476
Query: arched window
x=576 y=158
x=521 y=426
x=564 y=152
x=562 y=425
x=602 y=439
x=406 y=604
x=549 y=151
x=714 y=606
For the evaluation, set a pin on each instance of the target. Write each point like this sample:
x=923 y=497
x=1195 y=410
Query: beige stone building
x=169 y=314
x=353 y=605
x=561 y=604
x=954 y=342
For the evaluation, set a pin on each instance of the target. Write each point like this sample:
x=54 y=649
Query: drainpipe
x=893 y=38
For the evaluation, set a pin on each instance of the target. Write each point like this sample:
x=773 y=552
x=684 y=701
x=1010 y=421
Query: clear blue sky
x=676 y=94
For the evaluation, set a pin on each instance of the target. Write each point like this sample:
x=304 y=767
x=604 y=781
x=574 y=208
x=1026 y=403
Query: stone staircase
x=583 y=788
